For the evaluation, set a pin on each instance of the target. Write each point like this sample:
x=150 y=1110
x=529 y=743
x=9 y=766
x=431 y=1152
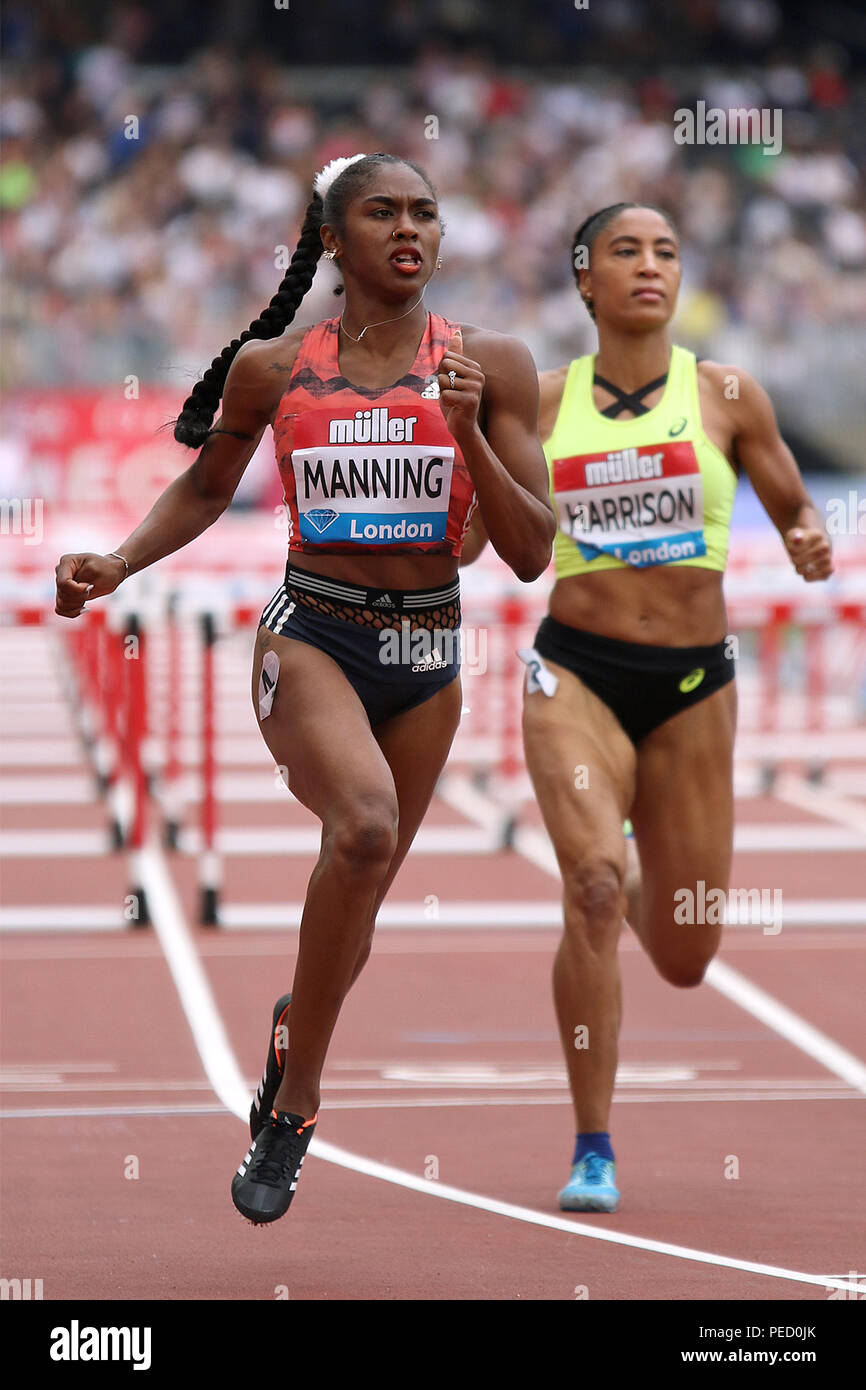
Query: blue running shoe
x=591 y=1187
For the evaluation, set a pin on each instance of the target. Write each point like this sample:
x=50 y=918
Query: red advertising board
x=93 y=449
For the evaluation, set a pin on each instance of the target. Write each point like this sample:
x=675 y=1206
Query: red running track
x=118 y=1153
x=445 y=1061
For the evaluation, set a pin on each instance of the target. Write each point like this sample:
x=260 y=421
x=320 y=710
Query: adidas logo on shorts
x=385 y=601
x=433 y=661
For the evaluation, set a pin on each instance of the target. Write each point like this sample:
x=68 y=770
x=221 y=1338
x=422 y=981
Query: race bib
x=644 y=506
x=377 y=480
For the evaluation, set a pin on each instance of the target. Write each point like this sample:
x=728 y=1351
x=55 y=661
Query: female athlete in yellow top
x=630 y=703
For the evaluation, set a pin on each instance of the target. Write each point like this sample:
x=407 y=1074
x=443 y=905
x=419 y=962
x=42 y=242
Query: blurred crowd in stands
x=156 y=158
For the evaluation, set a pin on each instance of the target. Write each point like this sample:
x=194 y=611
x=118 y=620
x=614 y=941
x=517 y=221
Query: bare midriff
x=666 y=606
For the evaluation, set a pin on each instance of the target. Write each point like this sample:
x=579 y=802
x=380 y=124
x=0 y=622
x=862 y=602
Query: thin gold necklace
x=381 y=321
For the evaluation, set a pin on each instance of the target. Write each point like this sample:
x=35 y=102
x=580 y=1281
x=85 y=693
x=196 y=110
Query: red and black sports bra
x=366 y=467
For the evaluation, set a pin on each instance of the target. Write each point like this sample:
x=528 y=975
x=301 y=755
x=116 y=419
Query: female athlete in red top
x=388 y=426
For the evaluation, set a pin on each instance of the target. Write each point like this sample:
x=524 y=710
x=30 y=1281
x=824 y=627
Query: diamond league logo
x=321 y=517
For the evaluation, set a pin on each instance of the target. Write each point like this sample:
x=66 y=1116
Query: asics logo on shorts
x=692 y=680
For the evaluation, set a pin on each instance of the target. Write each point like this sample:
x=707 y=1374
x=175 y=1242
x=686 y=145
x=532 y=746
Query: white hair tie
x=325 y=177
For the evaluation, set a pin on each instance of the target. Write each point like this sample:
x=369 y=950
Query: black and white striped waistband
x=387 y=600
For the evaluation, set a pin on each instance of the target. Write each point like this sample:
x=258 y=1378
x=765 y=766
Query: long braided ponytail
x=194 y=422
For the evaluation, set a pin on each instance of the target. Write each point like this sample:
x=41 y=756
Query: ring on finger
x=452 y=379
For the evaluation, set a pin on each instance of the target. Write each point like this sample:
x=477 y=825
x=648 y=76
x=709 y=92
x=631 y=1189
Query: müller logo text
x=626 y=466
x=76 y=1343
x=372 y=427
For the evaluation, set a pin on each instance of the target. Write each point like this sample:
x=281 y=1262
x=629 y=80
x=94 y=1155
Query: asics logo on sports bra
x=372 y=427
x=626 y=466
x=677 y=427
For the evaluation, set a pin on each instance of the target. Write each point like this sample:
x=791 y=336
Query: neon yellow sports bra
x=649 y=491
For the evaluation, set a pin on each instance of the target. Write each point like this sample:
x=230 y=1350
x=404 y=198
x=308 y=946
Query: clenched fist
x=459 y=403
x=82 y=577
x=810 y=550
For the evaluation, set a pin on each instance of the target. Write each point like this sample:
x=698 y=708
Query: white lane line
x=225 y=1076
x=406 y=915
x=41 y=752
x=447 y=1193
x=285 y=917
x=74 y=789
x=507 y=1093
x=191 y=982
x=64 y=1112
x=267 y=839
x=787 y=1024
x=47 y=1083
x=535 y=846
x=48 y=844
x=88 y=918
x=818 y=801
x=825 y=912
x=416 y=1103
x=412 y=916
x=848 y=744
x=806 y=912
x=637 y=1098
x=785 y=838
x=461 y=943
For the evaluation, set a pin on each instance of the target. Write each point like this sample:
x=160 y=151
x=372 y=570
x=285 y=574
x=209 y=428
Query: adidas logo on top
x=431 y=390
x=385 y=601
